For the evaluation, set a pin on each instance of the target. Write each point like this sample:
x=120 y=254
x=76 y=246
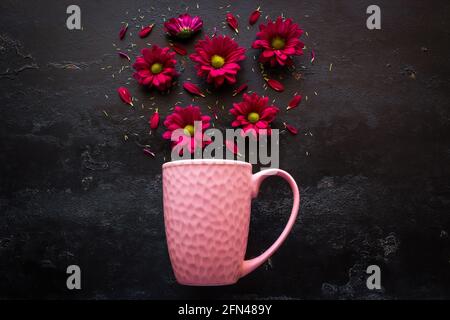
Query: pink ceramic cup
x=207 y=213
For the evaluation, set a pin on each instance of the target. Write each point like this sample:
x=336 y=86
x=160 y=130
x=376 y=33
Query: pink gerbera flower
x=217 y=59
x=279 y=41
x=183 y=118
x=155 y=68
x=253 y=113
x=184 y=26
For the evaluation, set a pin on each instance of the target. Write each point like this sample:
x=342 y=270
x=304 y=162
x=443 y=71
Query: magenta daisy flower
x=183 y=118
x=217 y=59
x=184 y=26
x=279 y=41
x=155 y=68
x=253 y=114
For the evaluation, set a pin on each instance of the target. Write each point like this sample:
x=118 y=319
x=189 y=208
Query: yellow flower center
x=253 y=117
x=156 y=68
x=189 y=130
x=278 y=43
x=217 y=61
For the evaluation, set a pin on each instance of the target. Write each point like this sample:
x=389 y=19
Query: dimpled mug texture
x=206 y=215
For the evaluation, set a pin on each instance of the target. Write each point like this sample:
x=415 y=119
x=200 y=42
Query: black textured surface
x=374 y=172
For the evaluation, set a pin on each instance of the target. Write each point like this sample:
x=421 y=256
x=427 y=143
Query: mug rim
x=206 y=162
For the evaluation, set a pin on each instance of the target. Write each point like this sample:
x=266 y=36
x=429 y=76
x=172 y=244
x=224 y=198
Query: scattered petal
x=124 y=55
x=232 y=22
x=295 y=101
x=179 y=49
x=275 y=85
x=254 y=16
x=145 y=31
x=193 y=88
x=154 y=120
x=290 y=128
x=313 y=56
x=240 y=89
x=125 y=95
x=149 y=152
x=123 y=31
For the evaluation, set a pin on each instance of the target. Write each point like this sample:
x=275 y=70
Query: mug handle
x=250 y=265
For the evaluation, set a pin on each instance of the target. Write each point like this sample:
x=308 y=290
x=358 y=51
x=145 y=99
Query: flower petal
x=232 y=22
x=179 y=49
x=295 y=101
x=145 y=31
x=154 y=120
x=193 y=88
x=254 y=17
x=123 y=55
x=240 y=89
x=123 y=31
x=149 y=152
x=290 y=128
x=125 y=95
x=275 y=85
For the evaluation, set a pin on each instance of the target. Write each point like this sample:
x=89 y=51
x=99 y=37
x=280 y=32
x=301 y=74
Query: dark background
x=372 y=157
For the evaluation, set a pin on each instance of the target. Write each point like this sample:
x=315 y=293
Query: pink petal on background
x=232 y=22
x=145 y=31
x=149 y=152
x=275 y=85
x=123 y=31
x=254 y=17
x=179 y=49
x=125 y=95
x=124 y=55
x=295 y=101
x=240 y=89
x=293 y=130
x=193 y=88
x=154 y=120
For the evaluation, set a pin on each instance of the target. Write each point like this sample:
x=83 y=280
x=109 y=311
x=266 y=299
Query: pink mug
x=207 y=214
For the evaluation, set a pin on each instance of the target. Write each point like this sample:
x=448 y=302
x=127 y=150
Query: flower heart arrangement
x=217 y=60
